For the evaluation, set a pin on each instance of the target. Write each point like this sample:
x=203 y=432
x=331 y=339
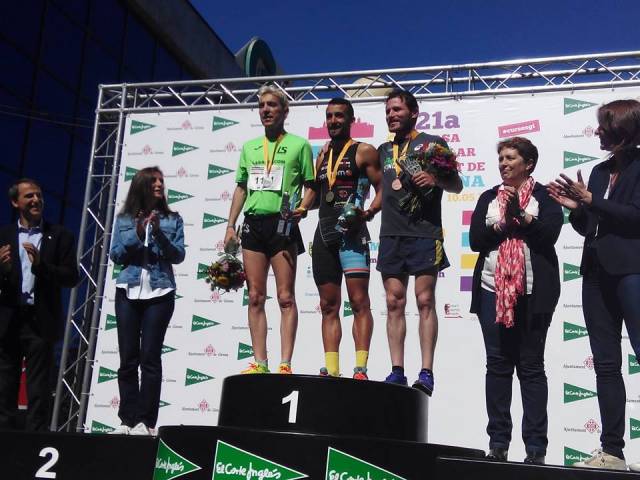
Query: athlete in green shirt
x=271 y=166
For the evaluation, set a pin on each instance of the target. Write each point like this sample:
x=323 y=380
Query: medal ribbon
x=413 y=135
x=268 y=162
x=332 y=169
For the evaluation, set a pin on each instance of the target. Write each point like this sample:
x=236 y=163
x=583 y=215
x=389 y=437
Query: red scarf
x=509 y=274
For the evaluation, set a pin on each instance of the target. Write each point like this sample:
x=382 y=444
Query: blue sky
x=341 y=35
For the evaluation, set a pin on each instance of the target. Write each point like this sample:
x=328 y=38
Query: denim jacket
x=166 y=247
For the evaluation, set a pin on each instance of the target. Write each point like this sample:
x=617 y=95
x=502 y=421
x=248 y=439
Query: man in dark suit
x=36 y=259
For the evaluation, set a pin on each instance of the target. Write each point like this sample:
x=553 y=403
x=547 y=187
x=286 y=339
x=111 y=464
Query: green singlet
x=293 y=161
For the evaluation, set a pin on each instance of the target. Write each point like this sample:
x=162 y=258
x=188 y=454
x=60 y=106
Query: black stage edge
x=324 y=405
x=474 y=469
x=233 y=453
x=75 y=456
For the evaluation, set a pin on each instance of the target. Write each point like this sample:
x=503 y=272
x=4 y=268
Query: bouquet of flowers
x=227 y=273
x=434 y=159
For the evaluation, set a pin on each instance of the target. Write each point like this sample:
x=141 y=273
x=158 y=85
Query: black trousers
x=142 y=325
x=22 y=339
x=520 y=347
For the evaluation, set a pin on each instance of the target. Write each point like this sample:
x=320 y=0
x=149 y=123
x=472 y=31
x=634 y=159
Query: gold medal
x=329 y=197
x=396 y=184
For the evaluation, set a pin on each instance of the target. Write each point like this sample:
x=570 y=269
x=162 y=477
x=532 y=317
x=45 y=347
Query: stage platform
x=277 y=427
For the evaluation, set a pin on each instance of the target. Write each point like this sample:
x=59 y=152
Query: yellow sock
x=361 y=358
x=332 y=362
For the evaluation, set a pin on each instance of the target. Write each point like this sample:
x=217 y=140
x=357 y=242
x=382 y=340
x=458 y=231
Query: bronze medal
x=329 y=197
x=396 y=184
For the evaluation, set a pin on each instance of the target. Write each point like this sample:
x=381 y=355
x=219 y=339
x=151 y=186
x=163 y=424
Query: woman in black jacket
x=516 y=286
x=607 y=214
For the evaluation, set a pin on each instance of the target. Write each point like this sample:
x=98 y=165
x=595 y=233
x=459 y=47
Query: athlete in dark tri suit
x=408 y=245
x=339 y=170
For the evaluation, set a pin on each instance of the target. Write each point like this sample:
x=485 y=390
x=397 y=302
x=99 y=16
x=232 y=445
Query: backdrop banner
x=208 y=337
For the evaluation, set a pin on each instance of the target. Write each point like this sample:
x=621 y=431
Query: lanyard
x=268 y=162
x=413 y=135
x=332 y=169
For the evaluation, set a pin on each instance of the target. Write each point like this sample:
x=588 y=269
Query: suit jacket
x=57 y=268
x=616 y=218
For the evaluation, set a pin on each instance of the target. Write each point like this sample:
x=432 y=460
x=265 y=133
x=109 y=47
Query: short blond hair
x=284 y=101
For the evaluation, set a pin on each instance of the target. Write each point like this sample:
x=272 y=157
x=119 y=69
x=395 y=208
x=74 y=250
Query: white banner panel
x=208 y=337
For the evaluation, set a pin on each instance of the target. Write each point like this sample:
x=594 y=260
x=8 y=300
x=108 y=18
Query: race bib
x=260 y=180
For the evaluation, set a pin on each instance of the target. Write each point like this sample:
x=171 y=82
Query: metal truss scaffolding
x=115 y=102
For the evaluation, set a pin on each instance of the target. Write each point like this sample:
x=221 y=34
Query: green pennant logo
x=571 y=159
x=162 y=403
x=244 y=351
x=200 y=323
x=110 y=322
x=572 y=456
x=216 y=171
x=97 y=427
x=570 y=272
x=170 y=464
x=572 y=105
x=634 y=428
x=233 y=463
x=194 y=376
x=565 y=215
x=177 y=297
x=342 y=465
x=209 y=220
x=245 y=297
x=573 y=393
x=116 y=271
x=571 y=331
x=129 y=173
x=106 y=375
x=138 y=126
x=167 y=349
x=219 y=123
x=174 y=196
x=180 y=148
x=202 y=271
x=634 y=367
x=346 y=309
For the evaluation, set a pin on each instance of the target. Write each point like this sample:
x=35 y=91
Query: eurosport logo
x=521 y=128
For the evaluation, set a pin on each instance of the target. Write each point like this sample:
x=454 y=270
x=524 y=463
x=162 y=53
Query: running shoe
x=255 y=368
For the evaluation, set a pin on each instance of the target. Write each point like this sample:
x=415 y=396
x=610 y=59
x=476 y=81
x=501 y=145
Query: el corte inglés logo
x=110 y=322
x=97 y=427
x=216 y=171
x=200 y=323
x=219 y=123
x=341 y=466
x=180 y=148
x=572 y=456
x=571 y=159
x=244 y=351
x=116 y=270
x=209 y=220
x=572 y=331
x=570 y=272
x=347 y=311
x=106 y=374
x=129 y=173
x=233 y=463
x=138 y=126
x=202 y=271
x=245 y=297
x=633 y=365
x=170 y=464
x=167 y=349
x=634 y=428
x=174 y=196
x=193 y=376
x=573 y=393
x=572 y=105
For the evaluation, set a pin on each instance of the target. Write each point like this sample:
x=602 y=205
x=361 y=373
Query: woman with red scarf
x=516 y=286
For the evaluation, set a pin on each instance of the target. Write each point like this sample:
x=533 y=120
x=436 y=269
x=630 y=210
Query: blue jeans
x=141 y=328
x=606 y=301
x=520 y=347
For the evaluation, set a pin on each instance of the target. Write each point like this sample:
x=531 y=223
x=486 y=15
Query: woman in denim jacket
x=147 y=239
